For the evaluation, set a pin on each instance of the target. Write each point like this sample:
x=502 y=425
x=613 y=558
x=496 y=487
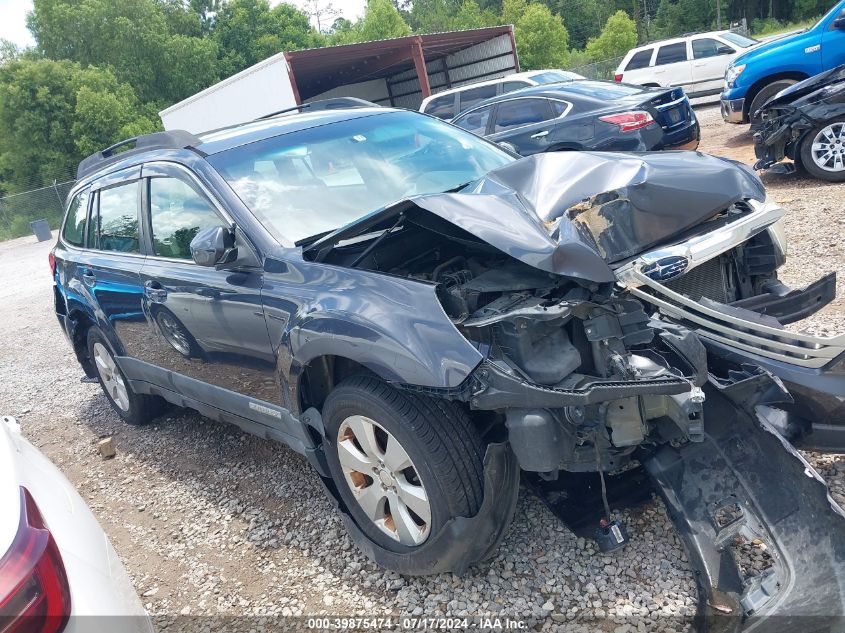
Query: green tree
x=471 y=16
x=584 y=19
x=541 y=38
x=134 y=37
x=512 y=10
x=432 y=16
x=249 y=31
x=617 y=38
x=53 y=113
x=381 y=21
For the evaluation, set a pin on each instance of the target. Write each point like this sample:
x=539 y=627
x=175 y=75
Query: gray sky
x=13 y=17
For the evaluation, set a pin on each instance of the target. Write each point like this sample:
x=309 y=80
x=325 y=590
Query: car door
x=671 y=65
x=204 y=323
x=107 y=273
x=525 y=123
x=710 y=58
x=833 y=43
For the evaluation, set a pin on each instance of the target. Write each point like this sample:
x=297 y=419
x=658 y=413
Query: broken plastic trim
x=744 y=464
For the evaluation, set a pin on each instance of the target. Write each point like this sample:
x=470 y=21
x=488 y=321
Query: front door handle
x=540 y=134
x=89 y=279
x=154 y=291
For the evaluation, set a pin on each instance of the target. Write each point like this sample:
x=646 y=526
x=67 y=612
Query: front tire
x=404 y=464
x=823 y=151
x=133 y=408
x=766 y=92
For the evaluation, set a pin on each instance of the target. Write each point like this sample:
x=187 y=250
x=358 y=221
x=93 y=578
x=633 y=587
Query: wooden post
x=419 y=64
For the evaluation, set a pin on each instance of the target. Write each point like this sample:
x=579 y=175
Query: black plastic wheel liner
x=746 y=472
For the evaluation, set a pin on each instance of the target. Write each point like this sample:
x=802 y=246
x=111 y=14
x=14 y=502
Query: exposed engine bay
x=609 y=320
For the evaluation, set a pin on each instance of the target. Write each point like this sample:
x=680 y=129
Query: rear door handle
x=155 y=291
x=540 y=134
x=89 y=279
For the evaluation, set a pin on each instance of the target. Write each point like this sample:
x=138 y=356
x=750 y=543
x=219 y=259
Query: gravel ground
x=209 y=521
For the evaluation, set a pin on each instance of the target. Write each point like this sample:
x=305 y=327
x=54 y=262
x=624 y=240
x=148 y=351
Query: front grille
x=707 y=280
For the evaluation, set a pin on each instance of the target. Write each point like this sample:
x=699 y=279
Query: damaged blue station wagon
x=423 y=316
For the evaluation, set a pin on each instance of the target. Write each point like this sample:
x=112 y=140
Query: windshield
x=555 y=76
x=739 y=40
x=317 y=180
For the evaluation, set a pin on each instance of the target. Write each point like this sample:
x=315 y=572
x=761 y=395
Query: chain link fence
x=17 y=210
x=599 y=70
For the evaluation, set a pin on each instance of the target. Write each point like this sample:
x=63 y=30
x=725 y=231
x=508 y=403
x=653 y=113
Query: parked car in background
x=760 y=73
x=586 y=115
x=806 y=122
x=57 y=568
x=449 y=103
x=695 y=62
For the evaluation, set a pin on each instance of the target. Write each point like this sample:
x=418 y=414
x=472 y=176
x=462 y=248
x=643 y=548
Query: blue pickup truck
x=756 y=76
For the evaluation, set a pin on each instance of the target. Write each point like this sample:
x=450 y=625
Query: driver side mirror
x=839 y=23
x=214 y=246
x=725 y=50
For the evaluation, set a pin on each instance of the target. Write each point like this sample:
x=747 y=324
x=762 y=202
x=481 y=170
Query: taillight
x=34 y=591
x=52 y=259
x=617 y=77
x=629 y=121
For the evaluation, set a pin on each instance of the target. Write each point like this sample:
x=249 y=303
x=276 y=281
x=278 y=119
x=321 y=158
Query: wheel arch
x=761 y=83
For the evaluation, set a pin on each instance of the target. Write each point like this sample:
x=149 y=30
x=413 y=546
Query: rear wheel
x=823 y=151
x=404 y=464
x=132 y=407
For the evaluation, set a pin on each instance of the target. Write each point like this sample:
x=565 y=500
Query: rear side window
x=476 y=95
x=177 y=214
x=475 y=121
x=519 y=112
x=77 y=213
x=671 y=53
x=641 y=59
x=442 y=107
x=117 y=223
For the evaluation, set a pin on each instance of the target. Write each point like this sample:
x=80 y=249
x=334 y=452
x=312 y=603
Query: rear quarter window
x=442 y=107
x=77 y=213
x=641 y=59
x=671 y=54
x=471 y=97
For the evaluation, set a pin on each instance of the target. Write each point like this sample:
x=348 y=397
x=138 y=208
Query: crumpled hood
x=575 y=213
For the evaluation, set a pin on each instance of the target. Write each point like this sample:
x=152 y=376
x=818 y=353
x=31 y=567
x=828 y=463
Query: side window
x=641 y=59
x=473 y=96
x=77 y=213
x=559 y=107
x=177 y=214
x=510 y=86
x=475 y=121
x=442 y=107
x=671 y=53
x=117 y=228
x=519 y=112
x=706 y=47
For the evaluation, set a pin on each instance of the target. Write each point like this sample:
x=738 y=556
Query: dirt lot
x=210 y=521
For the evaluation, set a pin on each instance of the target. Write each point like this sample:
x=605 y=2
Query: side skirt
x=256 y=417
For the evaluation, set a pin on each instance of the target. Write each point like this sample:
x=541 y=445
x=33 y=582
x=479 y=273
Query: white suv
x=696 y=62
x=450 y=103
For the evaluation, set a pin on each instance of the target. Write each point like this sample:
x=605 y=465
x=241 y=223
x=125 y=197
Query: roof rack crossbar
x=172 y=139
x=335 y=103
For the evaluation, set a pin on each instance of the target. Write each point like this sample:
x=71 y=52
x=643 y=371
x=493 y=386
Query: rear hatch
x=670 y=108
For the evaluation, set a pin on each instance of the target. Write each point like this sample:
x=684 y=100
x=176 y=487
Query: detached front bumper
x=733 y=110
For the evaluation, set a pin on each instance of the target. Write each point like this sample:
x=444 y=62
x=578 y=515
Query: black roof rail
x=172 y=139
x=336 y=103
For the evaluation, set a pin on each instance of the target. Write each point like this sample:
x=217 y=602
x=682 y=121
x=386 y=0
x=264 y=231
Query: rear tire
x=829 y=139
x=766 y=92
x=133 y=408
x=404 y=464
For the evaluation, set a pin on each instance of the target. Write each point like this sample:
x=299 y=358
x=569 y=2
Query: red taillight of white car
x=52 y=259
x=629 y=121
x=617 y=77
x=34 y=591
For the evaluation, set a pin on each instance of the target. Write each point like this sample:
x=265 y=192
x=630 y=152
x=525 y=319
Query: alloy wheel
x=111 y=376
x=828 y=149
x=384 y=480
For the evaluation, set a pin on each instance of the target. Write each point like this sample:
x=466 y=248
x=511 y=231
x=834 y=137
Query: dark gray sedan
x=586 y=115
